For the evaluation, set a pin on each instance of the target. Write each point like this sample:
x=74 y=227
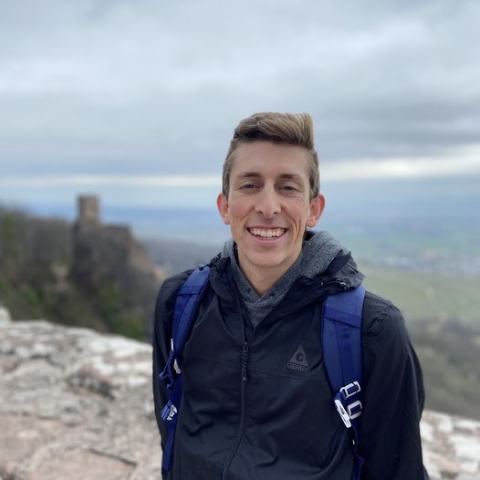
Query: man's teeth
x=267 y=232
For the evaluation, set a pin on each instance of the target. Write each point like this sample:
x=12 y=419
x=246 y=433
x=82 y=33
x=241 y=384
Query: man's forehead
x=259 y=159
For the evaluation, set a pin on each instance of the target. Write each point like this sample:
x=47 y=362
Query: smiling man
x=268 y=204
x=257 y=400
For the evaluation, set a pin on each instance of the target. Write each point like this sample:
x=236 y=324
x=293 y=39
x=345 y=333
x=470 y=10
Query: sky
x=137 y=101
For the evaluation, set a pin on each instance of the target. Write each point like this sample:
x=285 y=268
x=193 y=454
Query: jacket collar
x=341 y=274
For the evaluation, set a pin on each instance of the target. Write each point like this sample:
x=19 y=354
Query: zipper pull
x=244 y=358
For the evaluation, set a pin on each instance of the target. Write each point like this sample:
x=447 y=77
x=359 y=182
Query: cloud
x=403 y=168
x=92 y=181
x=463 y=165
x=110 y=89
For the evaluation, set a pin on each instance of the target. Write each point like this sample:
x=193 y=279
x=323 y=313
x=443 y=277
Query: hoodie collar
x=323 y=260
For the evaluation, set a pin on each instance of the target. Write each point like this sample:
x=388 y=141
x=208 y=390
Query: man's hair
x=280 y=128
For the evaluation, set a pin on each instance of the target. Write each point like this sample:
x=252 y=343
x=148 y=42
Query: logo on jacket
x=298 y=361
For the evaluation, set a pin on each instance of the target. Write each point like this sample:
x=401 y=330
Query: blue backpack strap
x=342 y=349
x=186 y=307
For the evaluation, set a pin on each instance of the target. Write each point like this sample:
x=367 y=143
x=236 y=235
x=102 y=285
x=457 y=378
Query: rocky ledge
x=76 y=404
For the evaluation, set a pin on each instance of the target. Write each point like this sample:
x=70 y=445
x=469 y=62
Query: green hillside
x=443 y=317
x=427 y=296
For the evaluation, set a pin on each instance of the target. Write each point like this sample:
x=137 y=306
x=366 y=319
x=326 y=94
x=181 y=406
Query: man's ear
x=222 y=205
x=316 y=209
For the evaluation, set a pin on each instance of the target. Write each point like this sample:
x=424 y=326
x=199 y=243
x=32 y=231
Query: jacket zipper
x=244 y=380
x=244 y=358
x=241 y=426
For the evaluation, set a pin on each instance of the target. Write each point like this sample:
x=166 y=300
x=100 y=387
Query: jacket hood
x=324 y=267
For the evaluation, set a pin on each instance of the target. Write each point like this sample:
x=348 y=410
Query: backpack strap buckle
x=343 y=413
x=348 y=411
x=177 y=369
x=169 y=411
x=351 y=389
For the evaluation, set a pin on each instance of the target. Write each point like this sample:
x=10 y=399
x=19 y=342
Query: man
x=256 y=399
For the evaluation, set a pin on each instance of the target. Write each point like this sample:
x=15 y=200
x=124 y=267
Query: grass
x=427 y=296
x=443 y=314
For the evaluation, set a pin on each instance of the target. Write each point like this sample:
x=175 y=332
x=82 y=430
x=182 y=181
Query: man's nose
x=268 y=204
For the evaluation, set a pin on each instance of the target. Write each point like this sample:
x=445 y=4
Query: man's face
x=268 y=207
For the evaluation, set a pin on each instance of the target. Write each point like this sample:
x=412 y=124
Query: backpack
x=342 y=349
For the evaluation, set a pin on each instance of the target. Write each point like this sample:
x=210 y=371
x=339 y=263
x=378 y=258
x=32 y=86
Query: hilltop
x=77 y=404
x=84 y=273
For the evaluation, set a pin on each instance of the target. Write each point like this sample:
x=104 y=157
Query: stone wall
x=77 y=405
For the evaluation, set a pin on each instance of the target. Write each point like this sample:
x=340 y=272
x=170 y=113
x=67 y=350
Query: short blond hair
x=282 y=128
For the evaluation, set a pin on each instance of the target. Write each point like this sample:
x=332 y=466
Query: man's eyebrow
x=288 y=176
x=291 y=176
x=249 y=174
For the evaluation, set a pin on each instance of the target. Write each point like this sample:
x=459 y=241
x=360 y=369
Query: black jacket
x=245 y=415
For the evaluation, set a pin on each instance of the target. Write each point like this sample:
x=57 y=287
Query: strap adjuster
x=348 y=411
x=169 y=411
x=343 y=413
x=355 y=409
x=351 y=389
x=177 y=369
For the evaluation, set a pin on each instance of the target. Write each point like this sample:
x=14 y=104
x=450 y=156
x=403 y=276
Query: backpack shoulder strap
x=342 y=349
x=186 y=307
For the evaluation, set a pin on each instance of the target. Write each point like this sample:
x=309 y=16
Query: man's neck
x=262 y=279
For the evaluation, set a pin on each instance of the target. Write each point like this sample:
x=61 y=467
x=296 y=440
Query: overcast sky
x=137 y=100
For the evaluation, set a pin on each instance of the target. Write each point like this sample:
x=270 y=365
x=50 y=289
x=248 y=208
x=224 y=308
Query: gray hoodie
x=317 y=253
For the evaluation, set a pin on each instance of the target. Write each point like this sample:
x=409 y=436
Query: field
x=425 y=296
x=443 y=318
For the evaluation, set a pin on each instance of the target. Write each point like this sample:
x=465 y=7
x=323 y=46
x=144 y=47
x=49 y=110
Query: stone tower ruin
x=108 y=255
x=88 y=209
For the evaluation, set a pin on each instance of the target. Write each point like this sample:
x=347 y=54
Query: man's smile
x=260 y=232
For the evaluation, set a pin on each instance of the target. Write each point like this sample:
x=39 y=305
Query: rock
x=451 y=446
x=77 y=405
x=4 y=317
x=73 y=405
x=22 y=436
x=81 y=465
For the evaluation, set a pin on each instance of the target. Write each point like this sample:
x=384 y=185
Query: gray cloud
x=157 y=87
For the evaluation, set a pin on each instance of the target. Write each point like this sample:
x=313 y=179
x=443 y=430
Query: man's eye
x=248 y=186
x=289 y=188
